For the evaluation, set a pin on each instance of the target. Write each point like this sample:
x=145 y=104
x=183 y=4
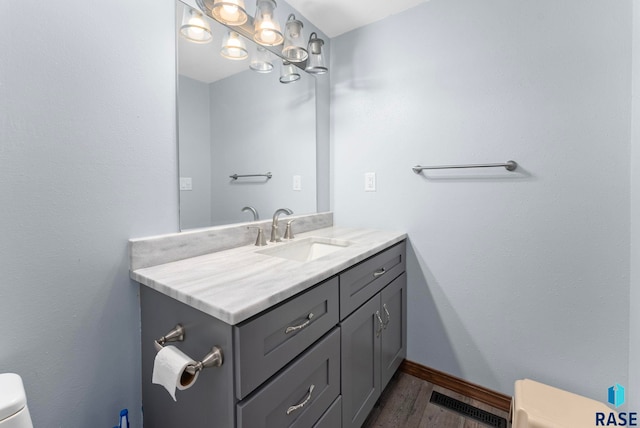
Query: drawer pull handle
x=381 y=326
x=379 y=272
x=301 y=326
x=386 y=311
x=304 y=403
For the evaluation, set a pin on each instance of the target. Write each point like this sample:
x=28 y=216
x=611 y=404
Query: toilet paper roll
x=169 y=370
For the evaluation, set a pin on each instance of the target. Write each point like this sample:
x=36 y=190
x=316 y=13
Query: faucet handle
x=260 y=241
x=288 y=233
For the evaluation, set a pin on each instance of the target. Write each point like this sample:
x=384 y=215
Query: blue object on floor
x=124 y=419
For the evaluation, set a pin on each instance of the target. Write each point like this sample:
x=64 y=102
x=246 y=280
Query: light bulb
x=268 y=34
x=229 y=12
x=196 y=27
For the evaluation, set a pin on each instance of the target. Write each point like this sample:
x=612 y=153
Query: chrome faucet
x=274 y=224
x=256 y=216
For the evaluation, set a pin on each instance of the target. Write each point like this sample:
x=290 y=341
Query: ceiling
x=335 y=17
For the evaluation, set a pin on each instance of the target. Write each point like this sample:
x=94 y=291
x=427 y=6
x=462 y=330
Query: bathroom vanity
x=305 y=343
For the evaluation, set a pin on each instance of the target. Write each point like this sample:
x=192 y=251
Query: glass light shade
x=261 y=61
x=316 y=64
x=230 y=12
x=195 y=27
x=288 y=73
x=294 y=41
x=266 y=28
x=233 y=47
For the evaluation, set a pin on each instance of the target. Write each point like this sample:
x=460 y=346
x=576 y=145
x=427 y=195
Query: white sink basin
x=306 y=249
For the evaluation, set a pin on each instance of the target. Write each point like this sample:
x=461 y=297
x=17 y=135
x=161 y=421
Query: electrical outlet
x=297 y=182
x=186 y=183
x=369 y=181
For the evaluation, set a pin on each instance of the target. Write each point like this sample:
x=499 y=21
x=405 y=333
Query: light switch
x=369 y=181
x=297 y=182
x=186 y=183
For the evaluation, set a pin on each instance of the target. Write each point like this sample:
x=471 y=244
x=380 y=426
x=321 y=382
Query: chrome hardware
x=379 y=272
x=254 y=211
x=386 y=311
x=175 y=335
x=509 y=166
x=274 y=224
x=288 y=233
x=379 y=329
x=213 y=359
x=236 y=176
x=304 y=402
x=260 y=241
x=301 y=326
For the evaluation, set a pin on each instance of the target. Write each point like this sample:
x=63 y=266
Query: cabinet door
x=394 y=335
x=360 y=363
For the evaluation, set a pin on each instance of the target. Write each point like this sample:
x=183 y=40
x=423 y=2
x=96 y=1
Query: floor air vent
x=468 y=411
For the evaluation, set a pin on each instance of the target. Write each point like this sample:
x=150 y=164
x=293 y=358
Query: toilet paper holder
x=213 y=359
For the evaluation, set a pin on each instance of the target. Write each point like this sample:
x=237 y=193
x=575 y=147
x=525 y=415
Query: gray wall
x=260 y=125
x=634 y=322
x=511 y=275
x=194 y=135
x=88 y=161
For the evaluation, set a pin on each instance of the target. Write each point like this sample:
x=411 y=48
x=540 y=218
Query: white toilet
x=13 y=402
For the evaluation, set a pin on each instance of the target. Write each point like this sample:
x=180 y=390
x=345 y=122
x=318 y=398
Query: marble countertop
x=236 y=284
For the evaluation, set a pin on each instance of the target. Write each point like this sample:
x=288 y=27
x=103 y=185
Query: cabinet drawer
x=299 y=395
x=265 y=344
x=332 y=418
x=363 y=281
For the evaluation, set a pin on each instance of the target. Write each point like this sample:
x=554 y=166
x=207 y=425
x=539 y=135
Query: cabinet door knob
x=304 y=402
x=301 y=326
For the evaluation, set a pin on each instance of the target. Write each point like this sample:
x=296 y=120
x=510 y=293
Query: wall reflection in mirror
x=236 y=117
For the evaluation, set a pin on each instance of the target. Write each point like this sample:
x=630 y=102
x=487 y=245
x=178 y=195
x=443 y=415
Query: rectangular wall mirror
x=233 y=120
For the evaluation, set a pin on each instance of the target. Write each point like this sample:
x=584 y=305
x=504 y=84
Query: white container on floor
x=536 y=405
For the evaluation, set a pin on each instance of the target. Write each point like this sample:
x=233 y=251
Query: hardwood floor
x=405 y=403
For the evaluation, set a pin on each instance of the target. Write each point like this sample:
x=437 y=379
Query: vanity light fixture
x=266 y=28
x=289 y=72
x=233 y=47
x=294 y=41
x=261 y=61
x=194 y=27
x=316 y=64
x=230 y=12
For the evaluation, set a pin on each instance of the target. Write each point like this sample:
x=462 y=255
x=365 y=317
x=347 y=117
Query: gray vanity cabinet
x=317 y=360
x=373 y=337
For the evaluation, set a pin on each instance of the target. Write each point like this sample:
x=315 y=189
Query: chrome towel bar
x=236 y=176
x=509 y=165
